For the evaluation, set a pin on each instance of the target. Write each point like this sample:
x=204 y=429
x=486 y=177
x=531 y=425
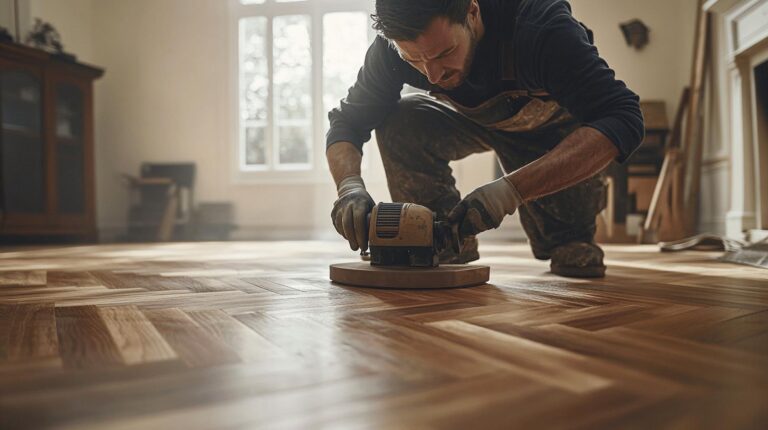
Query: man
x=519 y=77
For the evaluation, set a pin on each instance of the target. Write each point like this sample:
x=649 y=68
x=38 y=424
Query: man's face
x=444 y=52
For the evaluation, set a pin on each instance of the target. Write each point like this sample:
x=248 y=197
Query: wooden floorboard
x=254 y=335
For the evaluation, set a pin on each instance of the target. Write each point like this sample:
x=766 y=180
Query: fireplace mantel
x=740 y=44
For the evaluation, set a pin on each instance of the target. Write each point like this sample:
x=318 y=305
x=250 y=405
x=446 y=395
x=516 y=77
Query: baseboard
x=715 y=226
x=110 y=234
x=757 y=235
x=738 y=223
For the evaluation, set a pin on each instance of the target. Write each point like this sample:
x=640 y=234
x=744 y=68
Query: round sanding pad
x=362 y=274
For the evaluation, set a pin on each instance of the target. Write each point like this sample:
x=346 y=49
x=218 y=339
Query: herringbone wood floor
x=244 y=335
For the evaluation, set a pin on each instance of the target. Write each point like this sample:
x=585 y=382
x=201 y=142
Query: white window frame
x=315 y=9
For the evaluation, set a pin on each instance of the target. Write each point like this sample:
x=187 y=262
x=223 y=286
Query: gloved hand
x=485 y=207
x=350 y=212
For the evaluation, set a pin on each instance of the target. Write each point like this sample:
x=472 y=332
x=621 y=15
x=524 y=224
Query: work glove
x=485 y=207
x=350 y=212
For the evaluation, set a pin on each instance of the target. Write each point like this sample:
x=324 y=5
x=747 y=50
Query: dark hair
x=408 y=19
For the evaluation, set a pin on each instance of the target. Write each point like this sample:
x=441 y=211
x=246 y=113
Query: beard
x=467 y=67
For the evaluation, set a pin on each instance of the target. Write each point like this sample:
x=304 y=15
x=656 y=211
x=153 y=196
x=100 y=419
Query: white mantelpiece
x=740 y=42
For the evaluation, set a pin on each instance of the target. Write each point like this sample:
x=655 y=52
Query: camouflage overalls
x=425 y=133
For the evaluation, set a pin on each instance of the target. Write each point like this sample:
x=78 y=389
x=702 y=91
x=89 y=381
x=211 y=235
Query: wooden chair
x=162 y=199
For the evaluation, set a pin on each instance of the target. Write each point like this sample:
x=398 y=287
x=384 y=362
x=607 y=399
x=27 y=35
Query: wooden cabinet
x=46 y=145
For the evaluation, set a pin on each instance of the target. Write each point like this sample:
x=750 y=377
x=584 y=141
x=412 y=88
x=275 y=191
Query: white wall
x=73 y=19
x=165 y=97
x=8 y=17
x=660 y=72
x=661 y=69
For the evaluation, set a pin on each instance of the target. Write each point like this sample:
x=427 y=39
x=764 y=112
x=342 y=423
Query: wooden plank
x=22 y=277
x=363 y=274
x=551 y=366
x=660 y=220
x=190 y=342
x=58 y=278
x=693 y=144
x=165 y=335
x=246 y=343
x=84 y=340
x=136 y=338
x=27 y=332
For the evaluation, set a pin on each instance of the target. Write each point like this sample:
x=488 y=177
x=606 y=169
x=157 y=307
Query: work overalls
x=426 y=132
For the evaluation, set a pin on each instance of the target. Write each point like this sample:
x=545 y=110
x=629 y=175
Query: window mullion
x=317 y=89
x=272 y=135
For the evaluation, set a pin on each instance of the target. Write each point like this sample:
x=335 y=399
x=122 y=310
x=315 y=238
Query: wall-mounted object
x=45 y=37
x=636 y=33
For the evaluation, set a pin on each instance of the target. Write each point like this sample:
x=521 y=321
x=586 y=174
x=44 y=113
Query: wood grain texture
x=252 y=335
x=27 y=332
x=362 y=274
x=135 y=336
x=84 y=339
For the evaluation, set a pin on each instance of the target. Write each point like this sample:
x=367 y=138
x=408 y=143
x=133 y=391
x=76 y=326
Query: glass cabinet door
x=22 y=143
x=70 y=162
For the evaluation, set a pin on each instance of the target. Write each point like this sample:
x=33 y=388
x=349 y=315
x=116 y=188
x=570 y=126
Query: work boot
x=468 y=252
x=578 y=260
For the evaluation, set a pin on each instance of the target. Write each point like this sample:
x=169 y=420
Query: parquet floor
x=253 y=335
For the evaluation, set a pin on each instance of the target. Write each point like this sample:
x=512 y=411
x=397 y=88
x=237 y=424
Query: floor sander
x=405 y=243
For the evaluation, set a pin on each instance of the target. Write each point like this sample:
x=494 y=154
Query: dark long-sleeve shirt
x=531 y=45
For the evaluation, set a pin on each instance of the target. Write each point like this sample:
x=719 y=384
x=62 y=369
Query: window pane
x=255 y=146
x=293 y=67
x=254 y=88
x=292 y=85
x=343 y=54
x=69 y=149
x=22 y=143
x=252 y=1
x=293 y=144
x=254 y=79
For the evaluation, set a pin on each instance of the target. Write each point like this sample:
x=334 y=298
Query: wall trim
x=758 y=235
x=713 y=225
x=719 y=162
x=737 y=223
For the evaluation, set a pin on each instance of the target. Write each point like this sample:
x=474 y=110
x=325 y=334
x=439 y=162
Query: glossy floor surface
x=253 y=335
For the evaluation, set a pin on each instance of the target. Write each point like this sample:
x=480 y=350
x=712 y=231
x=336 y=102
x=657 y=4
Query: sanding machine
x=405 y=243
x=408 y=235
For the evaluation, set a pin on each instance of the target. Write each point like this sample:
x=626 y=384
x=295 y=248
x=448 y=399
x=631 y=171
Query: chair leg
x=165 y=230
